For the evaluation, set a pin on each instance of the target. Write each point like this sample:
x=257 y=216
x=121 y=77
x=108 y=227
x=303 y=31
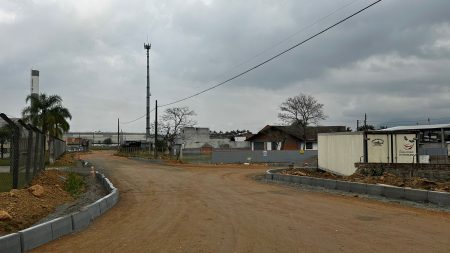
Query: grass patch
x=4 y=162
x=5 y=182
x=74 y=184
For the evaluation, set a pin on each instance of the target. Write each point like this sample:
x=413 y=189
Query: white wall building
x=338 y=152
x=198 y=137
x=98 y=137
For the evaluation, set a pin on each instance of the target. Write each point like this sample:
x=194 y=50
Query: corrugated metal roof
x=417 y=127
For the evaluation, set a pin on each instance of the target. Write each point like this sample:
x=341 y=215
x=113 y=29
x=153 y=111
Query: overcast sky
x=391 y=61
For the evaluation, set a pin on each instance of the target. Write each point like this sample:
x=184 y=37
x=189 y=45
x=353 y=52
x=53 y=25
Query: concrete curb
x=388 y=191
x=35 y=236
x=61 y=226
x=40 y=234
x=10 y=243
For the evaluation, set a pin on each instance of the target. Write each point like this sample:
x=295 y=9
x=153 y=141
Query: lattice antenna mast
x=147 y=47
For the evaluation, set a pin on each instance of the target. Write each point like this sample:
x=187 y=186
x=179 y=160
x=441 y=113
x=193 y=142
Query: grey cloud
x=95 y=59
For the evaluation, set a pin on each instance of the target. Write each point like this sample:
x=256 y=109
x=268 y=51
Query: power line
x=292 y=35
x=131 y=121
x=273 y=57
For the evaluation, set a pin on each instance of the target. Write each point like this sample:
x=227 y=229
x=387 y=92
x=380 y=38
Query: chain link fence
x=24 y=151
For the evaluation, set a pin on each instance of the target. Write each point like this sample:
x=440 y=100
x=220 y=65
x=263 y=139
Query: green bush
x=74 y=184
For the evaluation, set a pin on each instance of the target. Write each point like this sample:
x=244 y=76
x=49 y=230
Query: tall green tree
x=48 y=113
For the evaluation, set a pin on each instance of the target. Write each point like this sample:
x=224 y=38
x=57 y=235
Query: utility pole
x=147 y=129
x=357 y=125
x=118 y=134
x=156 y=127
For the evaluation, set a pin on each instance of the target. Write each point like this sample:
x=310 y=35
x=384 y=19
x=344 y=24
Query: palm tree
x=47 y=113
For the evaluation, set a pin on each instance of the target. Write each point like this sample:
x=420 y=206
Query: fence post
x=15 y=155
x=36 y=152
x=51 y=150
x=14 y=151
x=42 y=153
x=29 y=154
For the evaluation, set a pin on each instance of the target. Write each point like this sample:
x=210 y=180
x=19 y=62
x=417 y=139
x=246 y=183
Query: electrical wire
x=273 y=57
x=131 y=121
x=291 y=36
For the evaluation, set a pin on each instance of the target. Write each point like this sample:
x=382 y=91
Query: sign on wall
x=406 y=148
x=378 y=148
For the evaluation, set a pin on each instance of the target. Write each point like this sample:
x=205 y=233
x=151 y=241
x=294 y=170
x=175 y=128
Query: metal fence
x=434 y=155
x=188 y=156
x=136 y=152
x=268 y=156
x=27 y=150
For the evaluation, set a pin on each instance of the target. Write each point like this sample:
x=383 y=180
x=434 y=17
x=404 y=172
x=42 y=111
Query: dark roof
x=297 y=131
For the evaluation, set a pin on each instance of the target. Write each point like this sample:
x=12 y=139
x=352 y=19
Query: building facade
x=289 y=137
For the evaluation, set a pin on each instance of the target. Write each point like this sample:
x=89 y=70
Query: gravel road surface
x=187 y=209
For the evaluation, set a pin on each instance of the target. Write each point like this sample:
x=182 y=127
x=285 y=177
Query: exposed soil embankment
x=26 y=206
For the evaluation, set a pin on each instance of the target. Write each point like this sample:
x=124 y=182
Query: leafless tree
x=301 y=110
x=173 y=120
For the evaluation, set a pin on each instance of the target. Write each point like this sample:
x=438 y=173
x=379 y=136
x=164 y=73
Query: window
x=258 y=145
x=274 y=145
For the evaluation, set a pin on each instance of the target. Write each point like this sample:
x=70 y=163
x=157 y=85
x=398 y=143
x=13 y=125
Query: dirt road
x=173 y=209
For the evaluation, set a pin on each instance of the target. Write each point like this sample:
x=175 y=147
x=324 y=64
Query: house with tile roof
x=289 y=137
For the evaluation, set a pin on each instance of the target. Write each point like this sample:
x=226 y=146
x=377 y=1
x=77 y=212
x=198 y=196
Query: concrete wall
x=272 y=156
x=197 y=137
x=338 y=152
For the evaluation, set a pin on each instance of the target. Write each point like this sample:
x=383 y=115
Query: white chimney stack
x=35 y=82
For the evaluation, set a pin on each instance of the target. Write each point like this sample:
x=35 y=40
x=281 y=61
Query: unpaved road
x=173 y=209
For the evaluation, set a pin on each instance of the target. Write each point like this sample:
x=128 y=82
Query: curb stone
x=40 y=234
x=388 y=191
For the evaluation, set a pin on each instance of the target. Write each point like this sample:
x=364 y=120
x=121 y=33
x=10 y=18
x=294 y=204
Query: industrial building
x=200 y=138
x=97 y=137
x=434 y=140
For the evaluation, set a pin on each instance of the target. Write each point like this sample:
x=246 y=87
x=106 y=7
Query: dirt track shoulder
x=174 y=209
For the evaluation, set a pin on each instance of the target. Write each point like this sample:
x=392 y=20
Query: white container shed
x=338 y=152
